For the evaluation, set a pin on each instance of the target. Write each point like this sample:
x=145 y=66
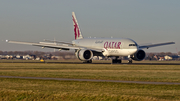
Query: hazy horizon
x=143 y=21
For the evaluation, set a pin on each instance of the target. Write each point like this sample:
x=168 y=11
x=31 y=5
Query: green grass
x=157 y=73
x=20 y=89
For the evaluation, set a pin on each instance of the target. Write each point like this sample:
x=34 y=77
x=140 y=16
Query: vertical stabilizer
x=77 y=31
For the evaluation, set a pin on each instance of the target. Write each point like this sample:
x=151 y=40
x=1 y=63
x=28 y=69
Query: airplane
x=86 y=48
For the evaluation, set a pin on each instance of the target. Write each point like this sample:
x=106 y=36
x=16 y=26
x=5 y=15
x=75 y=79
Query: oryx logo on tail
x=77 y=31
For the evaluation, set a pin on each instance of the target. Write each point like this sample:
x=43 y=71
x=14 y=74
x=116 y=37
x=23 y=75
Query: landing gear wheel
x=116 y=61
x=119 y=61
x=130 y=61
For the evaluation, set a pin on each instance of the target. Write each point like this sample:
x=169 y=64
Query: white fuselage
x=111 y=46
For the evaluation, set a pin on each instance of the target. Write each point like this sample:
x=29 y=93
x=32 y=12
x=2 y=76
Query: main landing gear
x=116 y=60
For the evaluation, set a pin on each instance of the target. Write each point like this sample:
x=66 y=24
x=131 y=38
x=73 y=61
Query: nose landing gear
x=130 y=61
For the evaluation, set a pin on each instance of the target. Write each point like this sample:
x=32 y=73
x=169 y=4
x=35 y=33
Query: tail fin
x=77 y=31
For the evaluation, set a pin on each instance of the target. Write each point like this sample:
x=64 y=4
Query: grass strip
x=44 y=90
x=154 y=73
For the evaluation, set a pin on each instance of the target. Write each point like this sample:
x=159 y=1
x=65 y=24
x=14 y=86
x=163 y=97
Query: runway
x=153 y=63
x=91 y=80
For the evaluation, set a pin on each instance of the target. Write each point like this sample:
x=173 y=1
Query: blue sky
x=145 y=21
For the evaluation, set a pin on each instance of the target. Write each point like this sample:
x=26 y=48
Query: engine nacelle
x=84 y=54
x=139 y=55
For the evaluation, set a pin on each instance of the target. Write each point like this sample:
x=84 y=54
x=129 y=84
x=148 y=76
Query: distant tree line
x=37 y=53
x=162 y=54
x=58 y=53
x=65 y=53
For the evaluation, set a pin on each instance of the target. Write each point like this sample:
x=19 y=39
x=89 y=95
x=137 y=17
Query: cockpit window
x=132 y=45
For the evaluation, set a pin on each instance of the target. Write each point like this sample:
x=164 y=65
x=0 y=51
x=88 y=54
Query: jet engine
x=139 y=55
x=84 y=54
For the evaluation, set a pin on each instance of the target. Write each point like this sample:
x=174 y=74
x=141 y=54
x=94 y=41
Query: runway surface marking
x=91 y=80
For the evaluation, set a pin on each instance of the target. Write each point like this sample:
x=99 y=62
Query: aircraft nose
x=134 y=50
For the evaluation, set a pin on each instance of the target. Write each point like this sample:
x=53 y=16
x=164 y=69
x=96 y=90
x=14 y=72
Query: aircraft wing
x=55 y=45
x=58 y=42
x=155 y=45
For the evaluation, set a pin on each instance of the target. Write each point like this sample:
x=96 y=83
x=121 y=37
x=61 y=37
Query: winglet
x=77 y=31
